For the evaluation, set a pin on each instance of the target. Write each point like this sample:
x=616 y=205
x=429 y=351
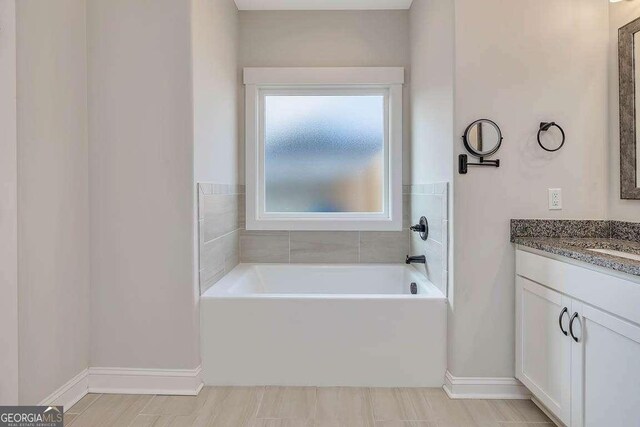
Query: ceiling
x=322 y=4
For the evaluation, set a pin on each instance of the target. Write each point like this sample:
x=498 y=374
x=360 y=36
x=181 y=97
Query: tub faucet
x=418 y=259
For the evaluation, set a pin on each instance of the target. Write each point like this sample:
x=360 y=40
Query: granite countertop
x=577 y=248
x=573 y=239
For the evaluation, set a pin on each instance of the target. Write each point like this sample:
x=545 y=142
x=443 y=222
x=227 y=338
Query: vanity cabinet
x=543 y=353
x=605 y=389
x=579 y=359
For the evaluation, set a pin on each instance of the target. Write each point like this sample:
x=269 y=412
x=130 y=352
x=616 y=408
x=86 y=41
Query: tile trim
x=210 y=189
x=439 y=188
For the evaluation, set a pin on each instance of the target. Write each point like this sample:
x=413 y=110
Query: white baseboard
x=484 y=388
x=72 y=391
x=186 y=382
x=183 y=382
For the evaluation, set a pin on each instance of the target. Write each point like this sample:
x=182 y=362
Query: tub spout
x=419 y=259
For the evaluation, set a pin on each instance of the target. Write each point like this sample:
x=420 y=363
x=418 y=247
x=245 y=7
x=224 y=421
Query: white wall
x=432 y=79
x=53 y=195
x=143 y=306
x=520 y=63
x=214 y=51
x=8 y=208
x=432 y=24
x=215 y=90
x=327 y=39
x=620 y=14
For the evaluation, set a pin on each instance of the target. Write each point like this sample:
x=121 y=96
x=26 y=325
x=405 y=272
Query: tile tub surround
x=224 y=242
x=574 y=238
x=309 y=247
x=220 y=219
x=264 y=246
x=431 y=201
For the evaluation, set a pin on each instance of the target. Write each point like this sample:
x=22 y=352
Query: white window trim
x=387 y=80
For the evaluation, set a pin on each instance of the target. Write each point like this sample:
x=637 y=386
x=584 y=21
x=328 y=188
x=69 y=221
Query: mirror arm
x=463 y=163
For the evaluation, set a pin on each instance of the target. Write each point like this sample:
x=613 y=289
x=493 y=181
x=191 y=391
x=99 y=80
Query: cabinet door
x=605 y=370
x=543 y=351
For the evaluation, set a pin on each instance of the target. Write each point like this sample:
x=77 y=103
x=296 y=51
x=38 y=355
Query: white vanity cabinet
x=543 y=352
x=605 y=357
x=578 y=341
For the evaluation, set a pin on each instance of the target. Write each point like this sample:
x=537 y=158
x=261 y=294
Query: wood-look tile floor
x=302 y=407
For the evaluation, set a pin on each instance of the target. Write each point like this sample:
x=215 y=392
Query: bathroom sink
x=617 y=253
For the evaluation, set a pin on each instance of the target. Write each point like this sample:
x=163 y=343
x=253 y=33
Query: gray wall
x=143 y=294
x=432 y=82
x=327 y=39
x=8 y=208
x=620 y=13
x=53 y=195
x=548 y=62
x=215 y=34
x=321 y=39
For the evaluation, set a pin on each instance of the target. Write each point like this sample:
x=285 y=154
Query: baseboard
x=186 y=382
x=70 y=393
x=484 y=388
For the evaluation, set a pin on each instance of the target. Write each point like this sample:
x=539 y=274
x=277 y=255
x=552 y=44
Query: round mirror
x=482 y=138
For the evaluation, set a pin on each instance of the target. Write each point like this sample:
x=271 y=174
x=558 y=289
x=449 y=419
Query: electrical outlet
x=555 y=199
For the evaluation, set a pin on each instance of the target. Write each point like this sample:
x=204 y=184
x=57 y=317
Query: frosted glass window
x=324 y=153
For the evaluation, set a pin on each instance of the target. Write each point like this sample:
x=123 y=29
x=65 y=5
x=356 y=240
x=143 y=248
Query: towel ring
x=544 y=126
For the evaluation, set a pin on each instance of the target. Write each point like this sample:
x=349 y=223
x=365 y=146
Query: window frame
x=261 y=82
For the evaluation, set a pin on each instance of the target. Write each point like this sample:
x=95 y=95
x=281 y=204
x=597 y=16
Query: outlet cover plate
x=555 y=199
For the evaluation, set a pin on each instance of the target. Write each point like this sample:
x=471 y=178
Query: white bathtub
x=323 y=325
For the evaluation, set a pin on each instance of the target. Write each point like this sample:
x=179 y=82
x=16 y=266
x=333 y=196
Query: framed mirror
x=629 y=74
x=482 y=138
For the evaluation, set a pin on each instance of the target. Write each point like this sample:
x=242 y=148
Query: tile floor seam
x=94 y=401
x=255 y=414
x=145 y=406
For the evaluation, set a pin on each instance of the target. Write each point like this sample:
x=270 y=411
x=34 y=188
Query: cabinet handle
x=562 y=313
x=574 y=317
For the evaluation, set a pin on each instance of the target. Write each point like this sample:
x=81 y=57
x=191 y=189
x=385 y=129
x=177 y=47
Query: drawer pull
x=574 y=317
x=562 y=313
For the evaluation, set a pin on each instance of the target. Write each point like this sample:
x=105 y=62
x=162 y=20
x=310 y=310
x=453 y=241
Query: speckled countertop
x=573 y=239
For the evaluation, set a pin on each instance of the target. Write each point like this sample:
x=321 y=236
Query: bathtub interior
x=361 y=280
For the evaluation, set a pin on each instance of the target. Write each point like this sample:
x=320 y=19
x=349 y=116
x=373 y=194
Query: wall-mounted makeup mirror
x=482 y=138
x=628 y=56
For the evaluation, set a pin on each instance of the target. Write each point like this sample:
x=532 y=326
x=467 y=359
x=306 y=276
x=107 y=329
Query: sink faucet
x=418 y=259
